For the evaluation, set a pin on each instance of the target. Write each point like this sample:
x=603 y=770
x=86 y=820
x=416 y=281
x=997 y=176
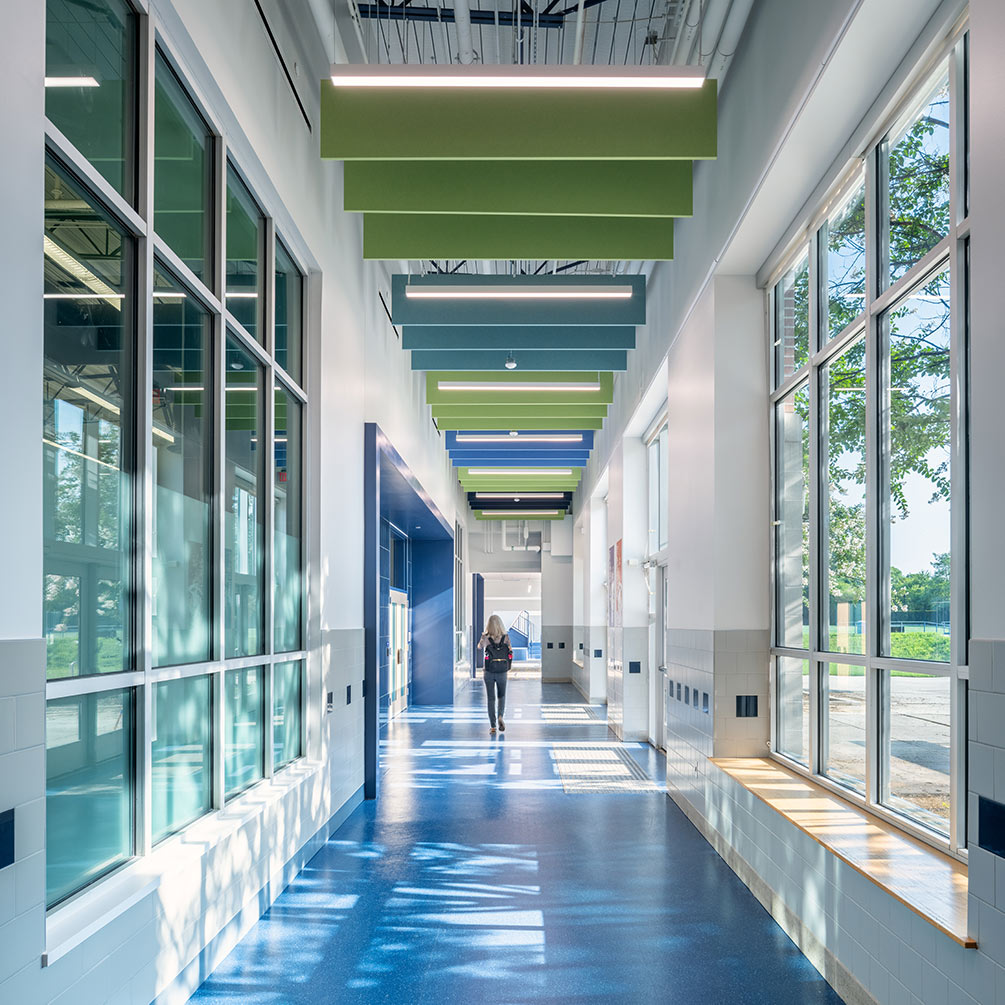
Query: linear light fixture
x=519 y=75
x=82 y=296
x=79 y=271
x=520 y=438
x=240 y=295
x=517 y=496
x=512 y=385
x=521 y=514
x=582 y=292
x=71 y=82
x=543 y=472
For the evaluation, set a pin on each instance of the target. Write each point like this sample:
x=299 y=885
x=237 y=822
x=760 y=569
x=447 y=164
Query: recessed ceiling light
x=581 y=292
x=519 y=75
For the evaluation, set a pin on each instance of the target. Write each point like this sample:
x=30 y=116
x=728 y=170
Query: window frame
x=952 y=253
x=136 y=219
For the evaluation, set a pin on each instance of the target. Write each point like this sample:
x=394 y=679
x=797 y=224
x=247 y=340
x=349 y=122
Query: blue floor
x=476 y=879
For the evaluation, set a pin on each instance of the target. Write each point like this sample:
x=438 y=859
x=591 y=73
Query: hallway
x=475 y=877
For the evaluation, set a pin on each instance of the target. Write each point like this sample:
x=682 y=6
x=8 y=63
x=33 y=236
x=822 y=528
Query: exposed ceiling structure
x=525 y=166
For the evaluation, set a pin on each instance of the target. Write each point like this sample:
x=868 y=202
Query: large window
x=658 y=477
x=173 y=441
x=869 y=522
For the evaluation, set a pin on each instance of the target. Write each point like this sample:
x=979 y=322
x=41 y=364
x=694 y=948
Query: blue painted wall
x=432 y=600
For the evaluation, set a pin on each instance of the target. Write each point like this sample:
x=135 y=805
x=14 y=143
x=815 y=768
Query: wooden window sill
x=929 y=882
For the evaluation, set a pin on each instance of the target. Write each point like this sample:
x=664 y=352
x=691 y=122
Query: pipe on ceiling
x=324 y=17
x=462 y=23
x=685 y=33
x=577 y=55
x=732 y=29
x=707 y=37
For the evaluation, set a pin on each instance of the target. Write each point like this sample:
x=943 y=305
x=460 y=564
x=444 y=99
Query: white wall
x=129 y=936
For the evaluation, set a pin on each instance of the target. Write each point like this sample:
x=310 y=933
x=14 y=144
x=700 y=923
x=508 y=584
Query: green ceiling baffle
x=536 y=188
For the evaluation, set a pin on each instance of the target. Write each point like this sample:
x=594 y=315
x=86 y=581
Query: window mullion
x=873 y=264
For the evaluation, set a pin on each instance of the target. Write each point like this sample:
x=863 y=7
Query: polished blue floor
x=476 y=878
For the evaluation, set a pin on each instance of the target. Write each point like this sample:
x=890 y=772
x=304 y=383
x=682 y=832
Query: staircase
x=521 y=636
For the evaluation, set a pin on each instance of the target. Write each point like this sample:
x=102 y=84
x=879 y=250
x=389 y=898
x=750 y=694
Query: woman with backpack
x=498 y=658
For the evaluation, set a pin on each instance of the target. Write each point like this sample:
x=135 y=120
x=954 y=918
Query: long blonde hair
x=494 y=629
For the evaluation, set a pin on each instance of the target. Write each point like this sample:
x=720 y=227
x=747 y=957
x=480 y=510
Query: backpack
x=497 y=656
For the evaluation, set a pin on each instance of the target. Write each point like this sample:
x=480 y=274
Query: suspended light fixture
x=520 y=75
x=521 y=514
x=526 y=438
x=471 y=292
x=503 y=496
x=529 y=472
x=511 y=362
x=488 y=385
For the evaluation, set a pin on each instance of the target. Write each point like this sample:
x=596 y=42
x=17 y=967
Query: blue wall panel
x=432 y=600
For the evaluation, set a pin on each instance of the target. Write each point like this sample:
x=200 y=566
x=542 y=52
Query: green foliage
x=920 y=646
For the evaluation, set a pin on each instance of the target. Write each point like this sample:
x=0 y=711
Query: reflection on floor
x=475 y=878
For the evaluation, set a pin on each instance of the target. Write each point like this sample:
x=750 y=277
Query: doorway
x=658 y=596
x=398 y=643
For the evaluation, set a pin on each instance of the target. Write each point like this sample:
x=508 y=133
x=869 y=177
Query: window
x=657 y=450
x=181 y=767
x=88 y=789
x=916 y=471
x=792 y=449
x=792 y=319
x=842 y=396
x=183 y=174
x=870 y=479
x=91 y=84
x=286 y=704
x=181 y=450
x=244 y=480
x=88 y=396
x=915 y=193
x=286 y=508
x=289 y=313
x=245 y=243
x=842 y=244
x=243 y=737
x=157 y=431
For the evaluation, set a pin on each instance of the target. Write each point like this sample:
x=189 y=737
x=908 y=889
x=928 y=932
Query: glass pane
x=918 y=473
x=664 y=481
x=245 y=240
x=289 y=489
x=843 y=496
x=243 y=745
x=916 y=751
x=286 y=688
x=182 y=462
x=180 y=754
x=89 y=777
x=653 y=472
x=792 y=320
x=793 y=734
x=90 y=83
x=244 y=513
x=792 y=504
x=88 y=390
x=289 y=313
x=183 y=174
x=918 y=188
x=845 y=258
x=843 y=701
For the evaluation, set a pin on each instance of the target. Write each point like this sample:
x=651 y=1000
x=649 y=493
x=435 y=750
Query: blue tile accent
x=561 y=645
x=551 y=645
x=704 y=702
x=458 y=886
x=746 y=706
x=6 y=838
x=598 y=653
x=991 y=826
x=634 y=666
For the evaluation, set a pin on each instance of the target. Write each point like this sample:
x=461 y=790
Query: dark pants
x=495 y=684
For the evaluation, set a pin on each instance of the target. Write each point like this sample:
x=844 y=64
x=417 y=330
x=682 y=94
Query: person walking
x=498 y=658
